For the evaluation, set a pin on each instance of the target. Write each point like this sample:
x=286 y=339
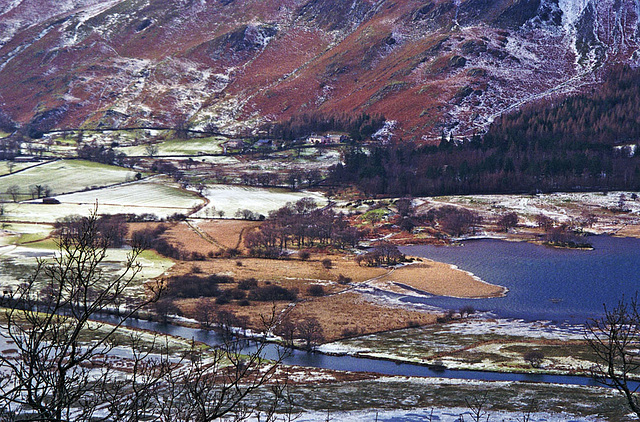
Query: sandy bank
x=440 y=279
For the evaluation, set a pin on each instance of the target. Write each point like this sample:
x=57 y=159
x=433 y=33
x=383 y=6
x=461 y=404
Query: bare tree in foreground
x=615 y=339
x=62 y=364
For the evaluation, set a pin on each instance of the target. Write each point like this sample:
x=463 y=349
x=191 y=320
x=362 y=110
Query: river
x=561 y=285
x=354 y=364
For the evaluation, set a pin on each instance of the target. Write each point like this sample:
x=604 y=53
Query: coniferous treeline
x=359 y=127
x=586 y=142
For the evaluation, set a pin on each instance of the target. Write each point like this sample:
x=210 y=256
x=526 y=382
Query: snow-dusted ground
x=457 y=345
x=66 y=176
x=452 y=414
x=562 y=207
x=230 y=199
x=155 y=196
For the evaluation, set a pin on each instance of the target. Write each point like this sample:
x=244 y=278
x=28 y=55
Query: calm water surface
x=544 y=283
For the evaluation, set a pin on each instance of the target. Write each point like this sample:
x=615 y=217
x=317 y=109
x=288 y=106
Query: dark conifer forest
x=583 y=143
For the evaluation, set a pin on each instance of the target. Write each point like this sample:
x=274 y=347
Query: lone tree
x=615 y=339
x=14 y=192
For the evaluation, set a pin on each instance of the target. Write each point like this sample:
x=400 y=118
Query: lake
x=560 y=285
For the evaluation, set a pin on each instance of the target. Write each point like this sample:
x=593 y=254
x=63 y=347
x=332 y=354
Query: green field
x=5 y=167
x=19 y=234
x=200 y=146
x=64 y=176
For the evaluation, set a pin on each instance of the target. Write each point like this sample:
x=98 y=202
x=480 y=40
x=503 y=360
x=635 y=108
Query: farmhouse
x=334 y=138
x=233 y=145
x=329 y=139
x=315 y=139
x=25 y=159
x=264 y=144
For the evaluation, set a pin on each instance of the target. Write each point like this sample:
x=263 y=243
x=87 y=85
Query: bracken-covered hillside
x=432 y=66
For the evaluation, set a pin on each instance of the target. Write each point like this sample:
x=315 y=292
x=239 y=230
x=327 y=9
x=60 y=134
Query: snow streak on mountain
x=431 y=66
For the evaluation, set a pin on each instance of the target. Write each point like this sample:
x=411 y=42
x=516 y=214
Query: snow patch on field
x=562 y=207
x=66 y=176
x=516 y=328
x=230 y=199
x=451 y=414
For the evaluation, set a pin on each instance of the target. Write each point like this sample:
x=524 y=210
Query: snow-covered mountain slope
x=435 y=65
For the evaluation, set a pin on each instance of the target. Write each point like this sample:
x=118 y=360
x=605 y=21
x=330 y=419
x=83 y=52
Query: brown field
x=338 y=311
x=210 y=236
x=347 y=314
x=443 y=280
x=340 y=315
x=629 y=231
x=227 y=233
x=288 y=273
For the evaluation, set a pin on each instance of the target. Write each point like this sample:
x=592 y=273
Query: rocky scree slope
x=432 y=66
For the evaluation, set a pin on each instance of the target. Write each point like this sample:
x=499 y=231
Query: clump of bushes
x=192 y=286
x=150 y=238
x=271 y=293
x=316 y=290
x=248 y=284
x=344 y=280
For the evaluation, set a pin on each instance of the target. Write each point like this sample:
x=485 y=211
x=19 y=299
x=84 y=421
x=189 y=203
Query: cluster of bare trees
x=63 y=366
x=455 y=221
x=301 y=224
x=308 y=330
x=294 y=179
x=382 y=253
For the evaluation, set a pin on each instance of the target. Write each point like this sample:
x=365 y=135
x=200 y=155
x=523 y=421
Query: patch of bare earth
x=228 y=233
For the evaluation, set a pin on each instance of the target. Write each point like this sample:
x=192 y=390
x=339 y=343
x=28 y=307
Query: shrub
x=177 y=217
x=244 y=302
x=316 y=290
x=195 y=269
x=192 y=286
x=304 y=255
x=231 y=253
x=466 y=311
x=248 y=284
x=272 y=293
x=237 y=294
x=350 y=332
x=534 y=358
x=197 y=256
x=344 y=280
x=326 y=263
x=223 y=299
x=238 y=263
